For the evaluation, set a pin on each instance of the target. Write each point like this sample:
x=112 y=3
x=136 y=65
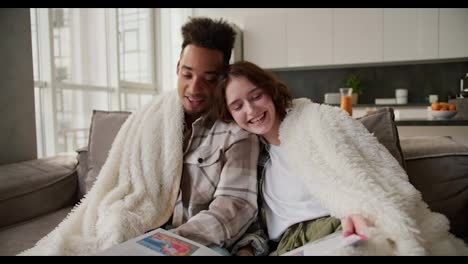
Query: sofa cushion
x=106 y=124
x=104 y=127
x=82 y=170
x=21 y=236
x=36 y=187
x=438 y=167
x=382 y=124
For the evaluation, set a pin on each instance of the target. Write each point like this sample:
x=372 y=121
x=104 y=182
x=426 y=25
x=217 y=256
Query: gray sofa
x=35 y=196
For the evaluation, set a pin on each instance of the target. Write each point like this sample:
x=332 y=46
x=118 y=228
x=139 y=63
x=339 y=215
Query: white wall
x=237 y=15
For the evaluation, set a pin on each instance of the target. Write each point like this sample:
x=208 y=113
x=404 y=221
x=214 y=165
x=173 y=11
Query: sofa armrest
x=36 y=187
x=438 y=167
x=82 y=170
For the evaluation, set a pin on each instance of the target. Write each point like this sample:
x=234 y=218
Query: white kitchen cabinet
x=340 y=36
x=410 y=34
x=453 y=28
x=358 y=35
x=265 y=40
x=309 y=34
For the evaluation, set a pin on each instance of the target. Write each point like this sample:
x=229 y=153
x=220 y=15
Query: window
x=136 y=57
x=61 y=35
x=135 y=45
x=86 y=59
x=81 y=76
x=37 y=92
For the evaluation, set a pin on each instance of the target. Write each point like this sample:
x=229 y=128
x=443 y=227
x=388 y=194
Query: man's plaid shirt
x=218 y=193
x=257 y=234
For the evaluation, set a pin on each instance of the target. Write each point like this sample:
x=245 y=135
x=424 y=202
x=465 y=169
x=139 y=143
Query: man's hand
x=245 y=251
x=354 y=224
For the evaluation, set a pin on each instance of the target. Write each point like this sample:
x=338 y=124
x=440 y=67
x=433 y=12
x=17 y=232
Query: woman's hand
x=245 y=251
x=354 y=224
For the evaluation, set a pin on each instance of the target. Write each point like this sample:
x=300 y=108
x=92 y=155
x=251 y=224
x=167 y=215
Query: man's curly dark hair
x=208 y=33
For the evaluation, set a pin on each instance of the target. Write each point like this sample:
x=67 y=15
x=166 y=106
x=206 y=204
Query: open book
x=325 y=246
x=159 y=242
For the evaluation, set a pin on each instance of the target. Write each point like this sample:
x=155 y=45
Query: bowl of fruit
x=442 y=110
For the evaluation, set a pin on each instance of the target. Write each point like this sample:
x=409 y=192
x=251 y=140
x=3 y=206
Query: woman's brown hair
x=278 y=91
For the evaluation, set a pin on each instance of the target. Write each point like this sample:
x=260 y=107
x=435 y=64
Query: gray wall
x=17 y=125
x=421 y=80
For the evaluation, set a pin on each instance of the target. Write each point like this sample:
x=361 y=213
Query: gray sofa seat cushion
x=19 y=237
x=438 y=168
x=36 y=187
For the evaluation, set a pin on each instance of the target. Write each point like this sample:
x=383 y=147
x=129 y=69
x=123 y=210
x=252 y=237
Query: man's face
x=197 y=76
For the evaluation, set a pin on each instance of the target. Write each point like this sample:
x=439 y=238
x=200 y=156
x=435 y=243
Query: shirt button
x=200 y=160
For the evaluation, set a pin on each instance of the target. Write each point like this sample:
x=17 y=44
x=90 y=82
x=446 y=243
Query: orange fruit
x=435 y=106
x=452 y=107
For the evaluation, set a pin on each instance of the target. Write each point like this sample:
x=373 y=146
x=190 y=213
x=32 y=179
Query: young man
x=138 y=187
x=217 y=198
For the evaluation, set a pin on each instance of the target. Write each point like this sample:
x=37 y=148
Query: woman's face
x=251 y=108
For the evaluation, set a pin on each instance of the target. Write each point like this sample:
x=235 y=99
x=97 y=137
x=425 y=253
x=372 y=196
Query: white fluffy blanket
x=359 y=175
x=136 y=188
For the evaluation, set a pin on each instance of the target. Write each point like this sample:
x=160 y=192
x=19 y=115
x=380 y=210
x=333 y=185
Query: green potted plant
x=354 y=82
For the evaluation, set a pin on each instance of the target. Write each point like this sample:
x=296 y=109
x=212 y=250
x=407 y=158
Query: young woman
x=320 y=171
x=286 y=201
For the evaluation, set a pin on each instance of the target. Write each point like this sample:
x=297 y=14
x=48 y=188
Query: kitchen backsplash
x=420 y=80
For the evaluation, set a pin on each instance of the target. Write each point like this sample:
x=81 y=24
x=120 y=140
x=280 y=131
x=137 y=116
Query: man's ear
x=177 y=70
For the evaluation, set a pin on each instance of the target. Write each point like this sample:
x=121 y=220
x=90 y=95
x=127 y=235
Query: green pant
x=304 y=232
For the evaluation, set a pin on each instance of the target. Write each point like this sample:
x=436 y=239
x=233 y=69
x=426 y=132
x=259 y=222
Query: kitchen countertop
x=432 y=122
x=393 y=105
x=389 y=105
x=413 y=119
